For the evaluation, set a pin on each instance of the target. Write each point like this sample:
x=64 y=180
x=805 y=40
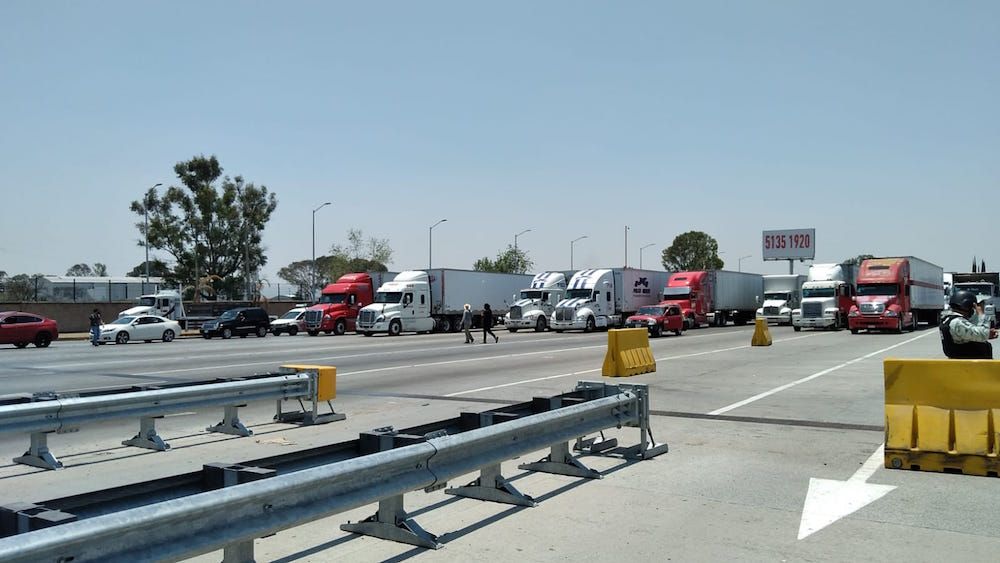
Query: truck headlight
x=891 y=313
x=854 y=313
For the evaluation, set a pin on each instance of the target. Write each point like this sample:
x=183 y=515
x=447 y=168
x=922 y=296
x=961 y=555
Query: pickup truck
x=658 y=318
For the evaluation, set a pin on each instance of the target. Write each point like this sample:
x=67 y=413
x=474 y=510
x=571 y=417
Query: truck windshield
x=817 y=292
x=878 y=289
x=651 y=311
x=147 y=301
x=977 y=288
x=579 y=294
x=676 y=292
x=531 y=295
x=333 y=298
x=389 y=297
x=776 y=296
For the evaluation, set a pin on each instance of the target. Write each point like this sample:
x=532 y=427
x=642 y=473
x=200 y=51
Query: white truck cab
x=536 y=303
x=589 y=302
x=165 y=303
x=402 y=305
x=782 y=294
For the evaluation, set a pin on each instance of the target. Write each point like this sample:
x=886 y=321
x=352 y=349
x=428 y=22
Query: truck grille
x=812 y=310
x=872 y=308
x=367 y=317
x=314 y=318
x=772 y=310
x=515 y=313
x=564 y=314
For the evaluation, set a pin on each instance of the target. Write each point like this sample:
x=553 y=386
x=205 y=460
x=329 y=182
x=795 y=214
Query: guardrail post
x=221 y=475
x=391 y=522
x=644 y=449
x=493 y=487
x=231 y=423
x=561 y=462
x=38 y=454
x=147 y=436
x=322 y=388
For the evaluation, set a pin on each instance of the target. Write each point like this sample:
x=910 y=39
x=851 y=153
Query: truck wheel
x=366 y=333
x=899 y=326
x=559 y=331
x=340 y=328
x=797 y=328
x=293 y=331
x=312 y=332
x=854 y=331
x=540 y=324
x=444 y=324
x=591 y=325
x=456 y=324
x=677 y=332
x=395 y=328
x=511 y=329
x=20 y=345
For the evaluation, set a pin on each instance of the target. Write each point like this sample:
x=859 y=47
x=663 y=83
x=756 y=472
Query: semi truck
x=423 y=301
x=896 y=293
x=986 y=287
x=782 y=295
x=536 y=302
x=715 y=296
x=604 y=298
x=336 y=312
x=827 y=297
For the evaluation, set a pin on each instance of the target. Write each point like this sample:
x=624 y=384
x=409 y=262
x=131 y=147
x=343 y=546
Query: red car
x=21 y=329
x=657 y=318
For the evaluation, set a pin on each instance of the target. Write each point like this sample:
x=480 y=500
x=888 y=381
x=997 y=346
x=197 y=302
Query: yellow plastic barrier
x=327 y=386
x=761 y=334
x=628 y=353
x=943 y=415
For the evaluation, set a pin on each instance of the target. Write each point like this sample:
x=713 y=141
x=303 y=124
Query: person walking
x=467 y=324
x=965 y=329
x=488 y=323
x=95 y=327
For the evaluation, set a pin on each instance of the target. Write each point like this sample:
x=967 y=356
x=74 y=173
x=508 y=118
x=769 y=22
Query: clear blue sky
x=872 y=122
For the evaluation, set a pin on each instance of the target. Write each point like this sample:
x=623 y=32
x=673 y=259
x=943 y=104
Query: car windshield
x=776 y=296
x=229 y=315
x=977 y=288
x=651 y=311
x=333 y=298
x=878 y=289
x=389 y=297
x=147 y=301
x=293 y=314
x=817 y=292
x=578 y=294
x=531 y=295
x=676 y=292
x=122 y=321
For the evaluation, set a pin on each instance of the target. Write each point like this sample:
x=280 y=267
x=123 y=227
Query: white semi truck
x=424 y=301
x=827 y=297
x=604 y=298
x=782 y=294
x=536 y=302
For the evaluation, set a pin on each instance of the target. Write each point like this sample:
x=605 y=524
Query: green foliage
x=157 y=269
x=213 y=219
x=18 y=288
x=857 y=260
x=510 y=261
x=693 y=250
x=80 y=270
x=360 y=254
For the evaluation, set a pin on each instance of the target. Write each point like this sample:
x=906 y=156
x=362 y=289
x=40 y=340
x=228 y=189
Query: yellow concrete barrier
x=327 y=384
x=628 y=353
x=761 y=334
x=943 y=415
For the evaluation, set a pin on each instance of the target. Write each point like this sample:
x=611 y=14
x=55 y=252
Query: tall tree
x=359 y=254
x=100 y=270
x=80 y=270
x=693 y=250
x=157 y=269
x=211 y=225
x=20 y=288
x=510 y=261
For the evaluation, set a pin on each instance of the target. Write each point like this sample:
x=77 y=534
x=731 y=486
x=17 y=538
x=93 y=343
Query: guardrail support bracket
x=231 y=423
x=561 y=462
x=392 y=523
x=147 y=436
x=492 y=486
x=38 y=454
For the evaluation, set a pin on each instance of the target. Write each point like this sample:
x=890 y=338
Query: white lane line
x=781 y=388
x=536 y=379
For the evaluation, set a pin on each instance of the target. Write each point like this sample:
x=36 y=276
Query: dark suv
x=239 y=322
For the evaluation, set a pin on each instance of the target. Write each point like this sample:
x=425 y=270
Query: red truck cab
x=883 y=297
x=338 y=306
x=658 y=318
x=689 y=291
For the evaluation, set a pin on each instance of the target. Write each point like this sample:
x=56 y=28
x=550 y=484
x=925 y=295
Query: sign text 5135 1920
x=791 y=244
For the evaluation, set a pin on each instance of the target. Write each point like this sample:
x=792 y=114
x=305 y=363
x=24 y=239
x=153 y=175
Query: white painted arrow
x=828 y=501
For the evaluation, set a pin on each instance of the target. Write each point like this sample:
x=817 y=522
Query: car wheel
x=20 y=344
x=540 y=324
x=43 y=339
x=275 y=332
x=261 y=331
x=395 y=328
x=206 y=336
x=657 y=331
x=293 y=331
x=340 y=328
x=168 y=336
x=227 y=333
x=122 y=338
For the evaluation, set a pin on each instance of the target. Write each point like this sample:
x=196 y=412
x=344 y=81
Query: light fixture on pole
x=626 y=246
x=515 y=239
x=640 y=252
x=312 y=281
x=145 y=230
x=430 y=243
x=571 y=250
x=739 y=262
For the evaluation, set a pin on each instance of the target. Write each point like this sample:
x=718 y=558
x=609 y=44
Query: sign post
x=789 y=244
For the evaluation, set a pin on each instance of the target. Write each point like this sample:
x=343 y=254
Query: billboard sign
x=790 y=244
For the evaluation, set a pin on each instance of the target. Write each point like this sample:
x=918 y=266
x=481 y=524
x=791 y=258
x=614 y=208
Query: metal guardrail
x=231 y=518
x=45 y=413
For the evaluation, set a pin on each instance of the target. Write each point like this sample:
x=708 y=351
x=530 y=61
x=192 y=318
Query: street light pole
x=571 y=250
x=739 y=262
x=145 y=230
x=312 y=286
x=626 y=246
x=430 y=244
x=640 y=252
x=515 y=239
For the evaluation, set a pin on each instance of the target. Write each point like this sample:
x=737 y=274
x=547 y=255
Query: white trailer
x=782 y=294
x=736 y=295
x=604 y=298
x=926 y=288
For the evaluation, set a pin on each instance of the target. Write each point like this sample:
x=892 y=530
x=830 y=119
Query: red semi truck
x=894 y=293
x=338 y=306
x=715 y=296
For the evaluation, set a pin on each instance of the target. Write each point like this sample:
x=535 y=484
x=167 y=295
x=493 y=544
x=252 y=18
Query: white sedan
x=140 y=327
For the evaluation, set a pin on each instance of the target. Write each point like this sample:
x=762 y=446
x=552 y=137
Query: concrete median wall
x=74 y=317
